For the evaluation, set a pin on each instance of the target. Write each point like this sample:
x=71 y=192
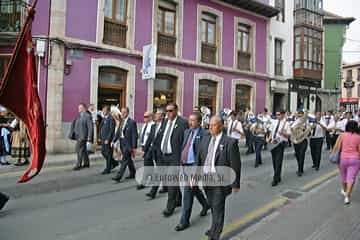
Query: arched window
x=164 y=90
x=208 y=94
x=112 y=86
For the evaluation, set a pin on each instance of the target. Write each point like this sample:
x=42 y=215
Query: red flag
x=19 y=93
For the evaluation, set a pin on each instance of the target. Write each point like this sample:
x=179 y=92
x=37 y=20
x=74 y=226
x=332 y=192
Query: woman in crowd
x=20 y=144
x=116 y=114
x=349 y=166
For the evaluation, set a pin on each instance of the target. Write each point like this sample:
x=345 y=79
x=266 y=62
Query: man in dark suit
x=107 y=132
x=218 y=150
x=152 y=148
x=171 y=148
x=128 y=136
x=192 y=137
x=82 y=131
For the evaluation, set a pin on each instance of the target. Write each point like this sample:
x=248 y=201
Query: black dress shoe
x=208 y=232
x=299 y=174
x=167 y=213
x=86 y=166
x=140 y=186
x=256 y=165
x=181 y=227
x=274 y=183
x=178 y=204
x=117 y=178
x=76 y=168
x=150 y=195
x=313 y=166
x=105 y=172
x=204 y=211
x=317 y=169
x=114 y=165
x=163 y=191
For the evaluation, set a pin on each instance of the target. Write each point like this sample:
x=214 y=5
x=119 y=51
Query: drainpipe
x=47 y=70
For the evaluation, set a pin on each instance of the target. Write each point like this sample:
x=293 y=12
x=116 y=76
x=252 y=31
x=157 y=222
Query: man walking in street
x=128 y=136
x=317 y=140
x=171 y=148
x=107 y=131
x=82 y=131
x=218 y=150
x=152 y=148
x=192 y=137
x=144 y=135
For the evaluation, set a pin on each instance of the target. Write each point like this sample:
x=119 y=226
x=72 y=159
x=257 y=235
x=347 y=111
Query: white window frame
x=245 y=82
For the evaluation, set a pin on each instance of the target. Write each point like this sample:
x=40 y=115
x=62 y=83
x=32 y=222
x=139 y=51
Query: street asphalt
x=56 y=205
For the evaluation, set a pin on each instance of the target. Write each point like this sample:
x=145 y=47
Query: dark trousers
x=333 y=139
x=216 y=199
x=148 y=167
x=189 y=194
x=259 y=143
x=107 y=153
x=249 y=141
x=3 y=200
x=159 y=162
x=277 y=155
x=328 y=140
x=82 y=154
x=174 y=193
x=127 y=162
x=300 y=151
x=316 y=150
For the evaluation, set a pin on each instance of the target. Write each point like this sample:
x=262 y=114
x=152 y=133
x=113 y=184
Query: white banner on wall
x=149 y=62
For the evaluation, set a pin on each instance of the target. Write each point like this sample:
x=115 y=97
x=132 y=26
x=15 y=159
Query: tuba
x=298 y=132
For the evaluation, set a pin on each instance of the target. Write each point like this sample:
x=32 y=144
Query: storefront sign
x=149 y=62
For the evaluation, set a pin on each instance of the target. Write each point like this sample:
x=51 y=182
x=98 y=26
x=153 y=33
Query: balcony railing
x=115 y=33
x=166 y=44
x=244 y=59
x=208 y=53
x=12 y=15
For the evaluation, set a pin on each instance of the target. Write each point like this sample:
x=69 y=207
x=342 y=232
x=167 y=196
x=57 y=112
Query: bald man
x=218 y=150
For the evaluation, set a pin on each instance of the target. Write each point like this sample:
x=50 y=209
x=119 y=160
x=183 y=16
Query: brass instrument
x=298 y=132
x=273 y=143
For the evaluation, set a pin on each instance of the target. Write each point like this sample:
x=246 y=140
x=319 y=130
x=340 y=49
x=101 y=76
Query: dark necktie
x=143 y=134
x=276 y=130
x=186 y=150
x=314 y=130
x=231 y=127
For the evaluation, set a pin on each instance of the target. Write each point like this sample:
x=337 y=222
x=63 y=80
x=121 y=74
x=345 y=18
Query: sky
x=348 y=8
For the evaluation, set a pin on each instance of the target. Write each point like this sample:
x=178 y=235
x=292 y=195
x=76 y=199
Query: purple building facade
x=209 y=53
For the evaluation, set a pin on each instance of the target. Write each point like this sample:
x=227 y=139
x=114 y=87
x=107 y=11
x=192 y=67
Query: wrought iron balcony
x=12 y=15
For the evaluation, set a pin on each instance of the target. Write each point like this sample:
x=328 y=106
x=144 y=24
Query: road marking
x=46 y=169
x=319 y=180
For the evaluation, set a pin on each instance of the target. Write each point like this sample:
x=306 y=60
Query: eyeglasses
x=169 y=110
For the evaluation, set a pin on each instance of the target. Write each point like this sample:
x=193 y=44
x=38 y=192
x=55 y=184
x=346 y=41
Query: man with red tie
x=192 y=137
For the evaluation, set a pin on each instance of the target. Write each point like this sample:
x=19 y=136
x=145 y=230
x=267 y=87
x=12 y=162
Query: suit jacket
x=129 y=142
x=228 y=155
x=82 y=128
x=202 y=132
x=107 y=129
x=177 y=139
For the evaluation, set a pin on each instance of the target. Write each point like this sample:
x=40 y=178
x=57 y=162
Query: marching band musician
x=258 y=130
x=328 y=119
x=336 y=127
x=249 y=141
x=280 y=132
x=300 y=148
x=317 y=139
x=234 y=129
x=291 y=119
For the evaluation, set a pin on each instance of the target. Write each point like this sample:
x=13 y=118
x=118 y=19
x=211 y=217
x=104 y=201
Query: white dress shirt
x=237 y=130
x=319 y=131
x=284 y=126
x=340 y=124
x=217 y=141
x=123 y=127
x=168 y=147
x=147 y=131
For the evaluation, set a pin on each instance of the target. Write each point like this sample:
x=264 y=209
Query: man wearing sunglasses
x=171 y=148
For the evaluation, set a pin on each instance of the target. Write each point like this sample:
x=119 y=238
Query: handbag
x=334 y=157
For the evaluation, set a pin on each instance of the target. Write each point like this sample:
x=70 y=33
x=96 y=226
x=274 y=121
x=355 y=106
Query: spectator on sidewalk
x=349 y=143
x=116 y=114
x=107 y=128
x=20 y=147
x=82 y=131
